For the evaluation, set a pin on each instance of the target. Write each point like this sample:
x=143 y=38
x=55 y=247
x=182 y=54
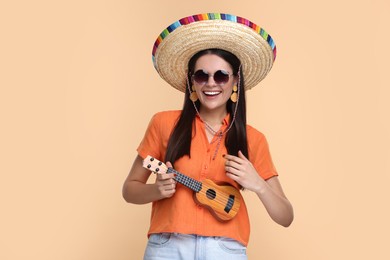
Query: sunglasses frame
x=220 y=83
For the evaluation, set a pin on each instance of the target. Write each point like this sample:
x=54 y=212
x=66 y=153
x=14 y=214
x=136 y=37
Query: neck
x=213 y=117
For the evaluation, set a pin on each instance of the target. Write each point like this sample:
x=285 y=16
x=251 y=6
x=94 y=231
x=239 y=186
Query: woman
x=208 y=57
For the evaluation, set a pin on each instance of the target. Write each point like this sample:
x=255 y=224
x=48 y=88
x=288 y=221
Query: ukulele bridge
x=229 y=204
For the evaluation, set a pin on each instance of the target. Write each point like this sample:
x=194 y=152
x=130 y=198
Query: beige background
x=78 y=89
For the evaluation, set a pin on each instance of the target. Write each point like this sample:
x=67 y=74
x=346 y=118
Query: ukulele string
x=221 y=199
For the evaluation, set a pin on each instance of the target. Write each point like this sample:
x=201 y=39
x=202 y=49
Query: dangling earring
x=233 y=97
x=193 y=95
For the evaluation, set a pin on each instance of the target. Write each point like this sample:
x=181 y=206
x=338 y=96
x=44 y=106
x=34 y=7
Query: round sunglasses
x=220 y=77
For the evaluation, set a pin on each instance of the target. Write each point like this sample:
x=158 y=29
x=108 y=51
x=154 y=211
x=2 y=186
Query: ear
x=235 y=81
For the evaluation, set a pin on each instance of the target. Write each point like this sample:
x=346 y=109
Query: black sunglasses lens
x=221 y=77
x=201 y=77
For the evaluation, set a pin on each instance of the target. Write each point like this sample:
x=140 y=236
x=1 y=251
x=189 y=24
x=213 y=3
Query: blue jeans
x=174 y=246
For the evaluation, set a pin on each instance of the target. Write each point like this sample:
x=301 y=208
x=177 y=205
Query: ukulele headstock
x=154 y=165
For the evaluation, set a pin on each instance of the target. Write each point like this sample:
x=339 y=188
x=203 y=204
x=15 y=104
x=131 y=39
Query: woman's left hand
x=241 y=170
x=270 y=192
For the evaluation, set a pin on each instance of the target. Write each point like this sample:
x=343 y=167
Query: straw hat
x=176 y=45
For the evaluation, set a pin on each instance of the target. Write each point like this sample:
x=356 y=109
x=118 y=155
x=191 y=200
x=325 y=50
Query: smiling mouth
x=211 y=93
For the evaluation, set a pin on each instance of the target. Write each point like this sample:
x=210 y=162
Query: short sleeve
x=151 y=141
x=155 y=140
x=259 y=154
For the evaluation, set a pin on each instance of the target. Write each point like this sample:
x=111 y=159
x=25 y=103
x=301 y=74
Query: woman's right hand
x=165 y=183
x=136 y=190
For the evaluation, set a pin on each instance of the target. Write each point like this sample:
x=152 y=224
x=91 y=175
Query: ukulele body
x=222 y=199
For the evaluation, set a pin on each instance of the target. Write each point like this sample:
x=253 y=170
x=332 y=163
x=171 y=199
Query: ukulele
x=223 y=201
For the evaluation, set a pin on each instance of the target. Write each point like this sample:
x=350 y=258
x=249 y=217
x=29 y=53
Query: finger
x=169 y=187
x=233 y=171
x=232 y=167
x=230 y=157
x=240 y=160
x=232 y=163
x=165 y=176
x=169 y=164
x=236 y=164
x=232 y=176
x=242 y=156
x=168 y=184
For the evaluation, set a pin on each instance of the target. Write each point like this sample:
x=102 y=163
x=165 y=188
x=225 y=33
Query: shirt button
x=206 y=167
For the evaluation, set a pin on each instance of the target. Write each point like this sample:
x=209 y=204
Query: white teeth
x=211 y=93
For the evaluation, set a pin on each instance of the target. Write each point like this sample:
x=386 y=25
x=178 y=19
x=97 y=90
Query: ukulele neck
x=186 y=181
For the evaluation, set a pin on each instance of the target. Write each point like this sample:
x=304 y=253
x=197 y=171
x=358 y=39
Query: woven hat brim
x=176 y=49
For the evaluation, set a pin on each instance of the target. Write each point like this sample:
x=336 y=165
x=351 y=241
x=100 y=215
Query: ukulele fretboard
x=186 y=181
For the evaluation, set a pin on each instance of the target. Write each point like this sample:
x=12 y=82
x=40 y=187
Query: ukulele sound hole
x=211 y=194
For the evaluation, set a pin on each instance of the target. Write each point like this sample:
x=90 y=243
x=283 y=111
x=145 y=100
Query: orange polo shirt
x=180 y=213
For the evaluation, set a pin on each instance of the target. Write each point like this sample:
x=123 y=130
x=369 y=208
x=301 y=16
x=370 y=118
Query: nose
x=210 y=81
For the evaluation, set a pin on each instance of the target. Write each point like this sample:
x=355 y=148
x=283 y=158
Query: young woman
x=213 y=58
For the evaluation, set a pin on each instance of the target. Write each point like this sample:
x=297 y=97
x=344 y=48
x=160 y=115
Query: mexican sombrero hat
x=176 y=45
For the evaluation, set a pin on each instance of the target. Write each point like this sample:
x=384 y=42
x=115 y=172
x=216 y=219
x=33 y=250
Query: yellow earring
x=193 y=95
x=234 y=96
